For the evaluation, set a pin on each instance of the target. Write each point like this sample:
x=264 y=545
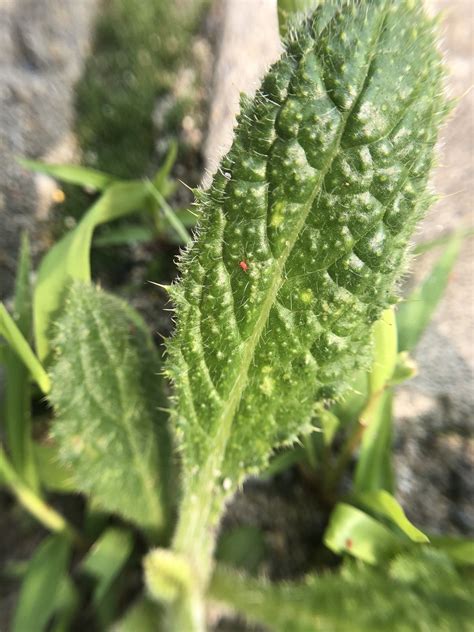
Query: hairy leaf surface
x=415 y=592
x=108 y=427
x=303 y=235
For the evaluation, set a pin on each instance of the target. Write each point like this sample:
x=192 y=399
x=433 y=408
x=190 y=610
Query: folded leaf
x=384 y=504
x=354 y=532
x=302 y=238
x=108 y=428
x=69 y=259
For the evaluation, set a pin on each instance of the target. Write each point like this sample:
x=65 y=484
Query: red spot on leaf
x=244 y=266
x=348 y=543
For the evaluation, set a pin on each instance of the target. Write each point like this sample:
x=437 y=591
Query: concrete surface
x=42 y=47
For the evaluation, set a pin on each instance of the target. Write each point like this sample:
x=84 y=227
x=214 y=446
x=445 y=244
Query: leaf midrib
x=186 y=537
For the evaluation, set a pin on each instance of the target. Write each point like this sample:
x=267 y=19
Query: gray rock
x=43 y=44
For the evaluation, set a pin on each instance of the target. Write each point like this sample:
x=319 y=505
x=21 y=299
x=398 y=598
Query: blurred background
x=113 y=84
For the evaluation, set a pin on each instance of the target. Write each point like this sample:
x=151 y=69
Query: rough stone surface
x=248 y=43
x=43 y=44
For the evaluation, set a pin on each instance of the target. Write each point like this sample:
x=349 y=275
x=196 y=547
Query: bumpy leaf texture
x=304 y=231
x=415 y=592
x=107 y=425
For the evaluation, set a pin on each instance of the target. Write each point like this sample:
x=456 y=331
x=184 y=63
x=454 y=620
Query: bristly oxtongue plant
x=303 y=236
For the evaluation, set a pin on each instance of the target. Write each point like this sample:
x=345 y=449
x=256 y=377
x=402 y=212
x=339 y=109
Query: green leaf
x=444 y=240
x=124 y=235
x=54 y=476
x=69 y=259
x=352 y=403
x=171 y=217
x=66 y=605
x=414 y=592
x=74 y=174
x=14 y=337
x=374 y=466
x=38 y=596
x=30 y=500
x=384 y=504
x=106 y=559
x=17 y=397
x=416 y=311
x=108 y=428
x=352 y=531
x=303 y=237
x=405 y=369
x=385 y=352
x=142 y=616
x=459 y=550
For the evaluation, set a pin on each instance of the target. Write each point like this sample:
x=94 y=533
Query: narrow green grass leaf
x=17 y=397
x=107 y=558
x=416 y=311
x=107 y=427
x=171 y=217
x=29 y=499
x=73 y=174
x=444 y=240
x=374 y=465
x=124 y=235
x=67 y=603
x=142 y=616
x=16 y=340
x=69 y=259
x=384 y=504
x=46 y=571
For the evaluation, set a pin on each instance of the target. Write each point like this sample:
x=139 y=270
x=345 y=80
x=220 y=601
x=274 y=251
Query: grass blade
x=415 y=313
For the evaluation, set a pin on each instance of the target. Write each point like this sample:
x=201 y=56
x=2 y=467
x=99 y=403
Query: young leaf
x=354 y=532
x=415 y=592
x=384 y=504
x=17 y=406
x=142 y=616
x=17 y=341
x=46 y=571
x=303 y=235
x=74 y=174
x=107 y=427
x=374 y=466
x=69 y=259
x=33 y=503
x=416 y=311
x=107 y=558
